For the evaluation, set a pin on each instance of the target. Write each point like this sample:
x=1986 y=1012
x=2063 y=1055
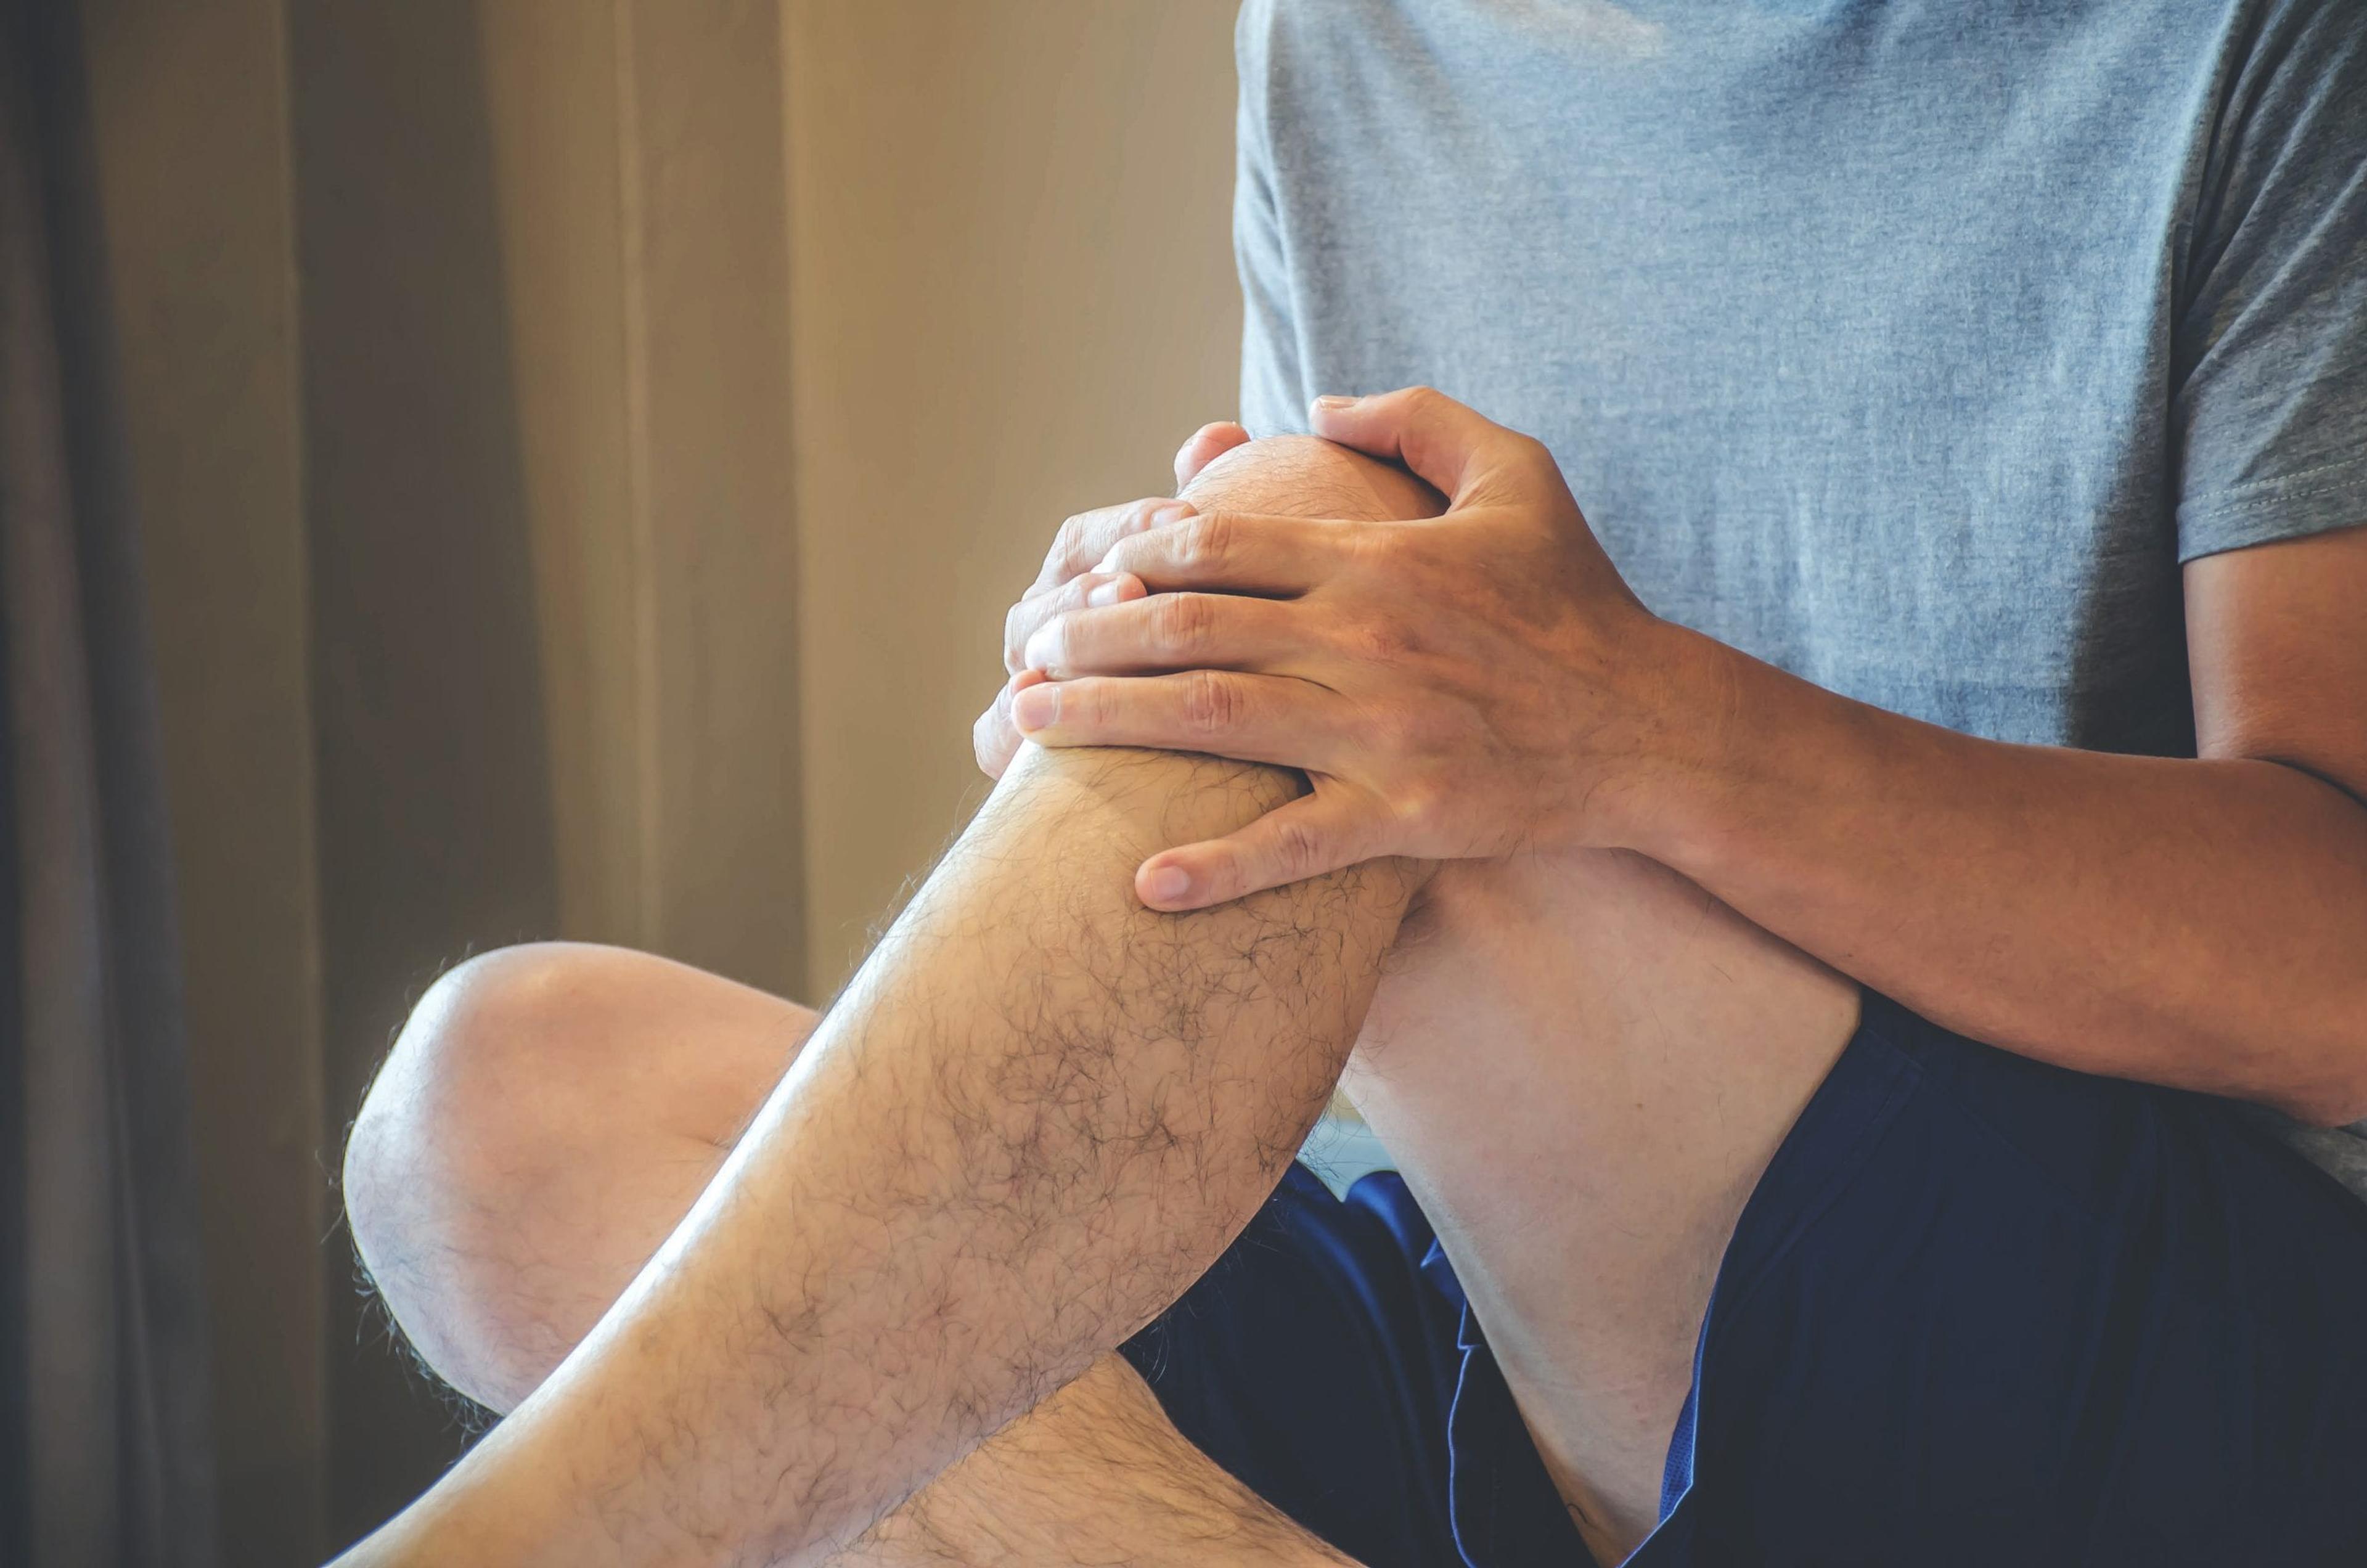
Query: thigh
x=641 y=1046
x=1587 y=1057
x=654 y=1069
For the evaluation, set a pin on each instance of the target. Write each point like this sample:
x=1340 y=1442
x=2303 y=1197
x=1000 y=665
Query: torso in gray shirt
x=1911 y=347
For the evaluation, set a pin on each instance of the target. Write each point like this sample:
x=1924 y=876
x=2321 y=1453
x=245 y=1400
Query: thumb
x=1448 y=444
x=1309 y=836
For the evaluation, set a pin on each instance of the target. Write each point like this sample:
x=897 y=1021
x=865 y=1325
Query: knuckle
x=1206 y=541
x=1183 y=622
x=1048 y=645
x=1098 y=533
x=1367 y=546
x=986 y=743
x=1380 y=639
x=1213 y=702
x=1018 y=626
x=1124 y=523
x=1298 y=850
x=1419 y=807
x=1085 y=705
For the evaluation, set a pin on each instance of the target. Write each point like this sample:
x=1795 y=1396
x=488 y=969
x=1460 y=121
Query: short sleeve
x=2270 y=402
x=1274 y=398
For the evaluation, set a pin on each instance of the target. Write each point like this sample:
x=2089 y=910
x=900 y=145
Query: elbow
x=2326 y=1107
x=2337 y=1096
x=2303 y=1052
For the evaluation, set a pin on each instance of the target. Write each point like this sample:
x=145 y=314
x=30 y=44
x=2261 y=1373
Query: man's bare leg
x=1583 y=1068
x=551 y=1113
x=1038 y=1114
x=1583 y=1065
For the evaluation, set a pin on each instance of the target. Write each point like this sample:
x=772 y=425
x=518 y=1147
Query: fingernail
x=1036 y=706
x=1172 y=512
x=1168 y=884
x=1331 y=402
x=1108 y=592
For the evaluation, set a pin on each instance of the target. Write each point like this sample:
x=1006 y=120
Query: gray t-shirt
x=1911 y=347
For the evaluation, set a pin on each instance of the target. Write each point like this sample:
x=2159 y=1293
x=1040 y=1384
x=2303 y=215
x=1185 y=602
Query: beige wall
x=637 y=172
x=1012 y=298
x=585 y=448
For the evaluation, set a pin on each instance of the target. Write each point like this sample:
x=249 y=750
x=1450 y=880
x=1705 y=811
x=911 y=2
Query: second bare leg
x=1036 y=1116
x=549 y=1115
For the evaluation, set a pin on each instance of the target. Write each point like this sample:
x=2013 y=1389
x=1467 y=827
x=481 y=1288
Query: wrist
x=1663 y=792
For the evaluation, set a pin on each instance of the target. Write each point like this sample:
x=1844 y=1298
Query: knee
x=1306 y=475
x=465 y=1114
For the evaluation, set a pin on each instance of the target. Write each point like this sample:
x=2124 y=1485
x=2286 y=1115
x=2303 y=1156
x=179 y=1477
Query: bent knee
x=553 y=1046
x=1308 y=477
x=543 y=1117
x=477 y=1067
x=466 y=1111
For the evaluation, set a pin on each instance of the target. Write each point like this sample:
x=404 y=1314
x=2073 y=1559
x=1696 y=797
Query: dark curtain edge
x=164 y=1471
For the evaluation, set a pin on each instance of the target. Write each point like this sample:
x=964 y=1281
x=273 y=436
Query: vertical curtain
x=104 y=1430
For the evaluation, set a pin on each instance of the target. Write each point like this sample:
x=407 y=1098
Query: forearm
x=2197 y=923
x=1486 y=682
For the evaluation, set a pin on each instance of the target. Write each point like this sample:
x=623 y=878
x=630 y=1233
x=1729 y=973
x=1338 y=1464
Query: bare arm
x=2199 y=922
x=2191 y=922
x=1038 y=1113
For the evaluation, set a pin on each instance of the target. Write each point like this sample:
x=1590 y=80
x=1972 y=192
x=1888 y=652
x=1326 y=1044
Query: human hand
x=1067 y=582
x=1461 y=686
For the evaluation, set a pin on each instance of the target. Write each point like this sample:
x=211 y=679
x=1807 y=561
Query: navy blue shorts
x=1978 y=1311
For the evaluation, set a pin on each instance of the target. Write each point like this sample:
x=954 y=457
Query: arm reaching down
x=1038 y=1113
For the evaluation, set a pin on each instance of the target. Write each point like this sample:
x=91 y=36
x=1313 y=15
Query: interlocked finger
x=1087 y=536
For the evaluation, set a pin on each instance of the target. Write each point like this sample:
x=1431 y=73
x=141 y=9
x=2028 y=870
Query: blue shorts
x=1978 y=1311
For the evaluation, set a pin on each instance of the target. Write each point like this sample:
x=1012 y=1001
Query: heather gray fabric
x=1911 y=347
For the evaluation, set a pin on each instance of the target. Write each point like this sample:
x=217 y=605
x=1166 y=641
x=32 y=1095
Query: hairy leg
x=1583 y=1066
x=1039 y=1112
x=549 y=1114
